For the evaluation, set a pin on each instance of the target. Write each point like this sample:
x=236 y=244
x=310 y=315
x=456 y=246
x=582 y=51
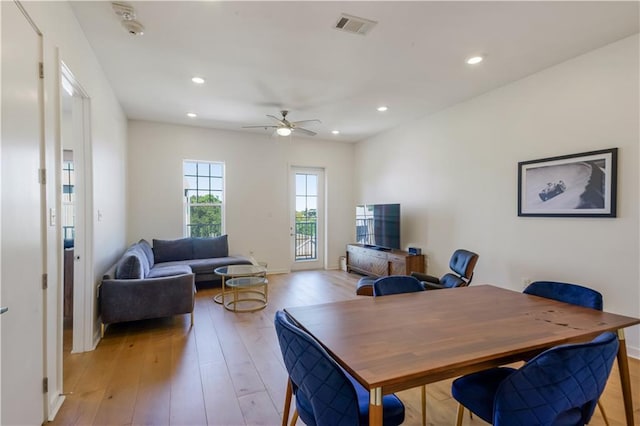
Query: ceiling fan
x=286 y=127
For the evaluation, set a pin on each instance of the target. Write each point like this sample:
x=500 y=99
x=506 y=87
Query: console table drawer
x=378 y=263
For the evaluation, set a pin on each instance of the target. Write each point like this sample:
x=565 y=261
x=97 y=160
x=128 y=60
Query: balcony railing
x=306 y=243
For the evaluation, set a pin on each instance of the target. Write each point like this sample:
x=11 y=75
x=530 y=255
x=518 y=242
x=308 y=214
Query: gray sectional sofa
x=159 y=281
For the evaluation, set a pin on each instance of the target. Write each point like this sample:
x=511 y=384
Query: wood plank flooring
x=227 y=369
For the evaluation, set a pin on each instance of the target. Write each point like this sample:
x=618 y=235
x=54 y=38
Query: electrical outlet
x=525 y=282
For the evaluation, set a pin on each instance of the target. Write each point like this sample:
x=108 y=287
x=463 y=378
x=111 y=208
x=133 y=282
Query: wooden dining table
x=399 y=342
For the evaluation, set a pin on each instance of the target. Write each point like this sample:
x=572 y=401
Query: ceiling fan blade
x=305 y=131
x=266 y=126
x=295 y=123
x=281 y=121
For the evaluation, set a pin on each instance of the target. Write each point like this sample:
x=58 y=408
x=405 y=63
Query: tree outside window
x=204 y=198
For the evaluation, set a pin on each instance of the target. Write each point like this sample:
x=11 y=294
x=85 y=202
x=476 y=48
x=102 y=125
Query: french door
x=307 y=218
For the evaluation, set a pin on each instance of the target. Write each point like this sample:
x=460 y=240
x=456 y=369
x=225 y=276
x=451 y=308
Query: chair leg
x=604 y=416
x=287 y=404
x=294 y=419
x=424 y=405
x=102 y=330
x=191 y=318
x=460 y=415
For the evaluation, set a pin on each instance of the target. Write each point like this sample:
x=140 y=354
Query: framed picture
x=577 y=185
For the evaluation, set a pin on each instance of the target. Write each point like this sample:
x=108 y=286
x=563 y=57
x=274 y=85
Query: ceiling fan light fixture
x=283 y=131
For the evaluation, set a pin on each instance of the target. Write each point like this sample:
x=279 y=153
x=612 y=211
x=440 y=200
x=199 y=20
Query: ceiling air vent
x=353 y=24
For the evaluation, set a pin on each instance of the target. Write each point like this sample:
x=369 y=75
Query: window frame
x=187 y=204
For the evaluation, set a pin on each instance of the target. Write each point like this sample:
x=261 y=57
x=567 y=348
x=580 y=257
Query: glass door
x=307 y=221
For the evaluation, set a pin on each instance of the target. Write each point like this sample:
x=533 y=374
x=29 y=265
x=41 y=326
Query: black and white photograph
x=576 y=185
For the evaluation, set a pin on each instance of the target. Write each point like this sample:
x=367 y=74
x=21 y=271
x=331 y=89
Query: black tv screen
x=378 y=225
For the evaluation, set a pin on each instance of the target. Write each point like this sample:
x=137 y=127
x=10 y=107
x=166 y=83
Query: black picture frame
x=576 y=185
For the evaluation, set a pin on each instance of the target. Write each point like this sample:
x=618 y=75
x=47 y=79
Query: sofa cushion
x=206 y=248
x=168 y=271
x=148 y=251
x=143 y=258
x=207 y=266
x=130 y=266
x=172 y=250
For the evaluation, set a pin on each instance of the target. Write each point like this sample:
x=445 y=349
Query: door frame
x=83 y=300
x=320 y=262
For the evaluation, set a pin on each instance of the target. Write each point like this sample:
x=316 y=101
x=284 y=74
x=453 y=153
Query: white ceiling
x=261 y=57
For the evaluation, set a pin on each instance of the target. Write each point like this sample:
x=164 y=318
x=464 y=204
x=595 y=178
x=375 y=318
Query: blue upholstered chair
x=325 y=393
x=396 y=284
x=559 y=387
x=462 y=263
x=569 y=293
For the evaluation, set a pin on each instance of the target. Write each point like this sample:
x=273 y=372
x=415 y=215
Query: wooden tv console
x=379 y=263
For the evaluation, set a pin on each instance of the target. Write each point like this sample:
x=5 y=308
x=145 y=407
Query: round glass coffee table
x=248 y=294
x=236 y=271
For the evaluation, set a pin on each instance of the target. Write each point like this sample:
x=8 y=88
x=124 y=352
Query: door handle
x=3 y=310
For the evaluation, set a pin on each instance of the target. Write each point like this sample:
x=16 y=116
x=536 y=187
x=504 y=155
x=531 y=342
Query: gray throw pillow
x=129 y=267
x=207 y=248
x=148 y=251
x=172 y=250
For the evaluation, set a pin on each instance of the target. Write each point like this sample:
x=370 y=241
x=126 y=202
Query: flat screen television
x=378 y=225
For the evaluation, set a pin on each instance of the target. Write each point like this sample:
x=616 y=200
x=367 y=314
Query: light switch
x=52 y=217
x=99 y=216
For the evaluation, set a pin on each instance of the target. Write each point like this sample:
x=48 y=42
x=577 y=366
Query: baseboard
x=96 y=339
x=54 y=406
x=633 y=352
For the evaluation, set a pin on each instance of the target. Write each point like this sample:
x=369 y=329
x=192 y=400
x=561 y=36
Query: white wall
x=257 y=198
x=455 y=173
x=64 y=40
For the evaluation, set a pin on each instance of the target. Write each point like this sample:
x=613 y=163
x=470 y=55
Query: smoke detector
x=128 y=16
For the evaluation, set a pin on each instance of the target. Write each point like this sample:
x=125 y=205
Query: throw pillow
x=172 y=250
x=129 y=267
x=148 y=251
x=207 y=248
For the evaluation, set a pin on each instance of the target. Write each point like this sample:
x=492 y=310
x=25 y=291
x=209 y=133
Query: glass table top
x=240 y=270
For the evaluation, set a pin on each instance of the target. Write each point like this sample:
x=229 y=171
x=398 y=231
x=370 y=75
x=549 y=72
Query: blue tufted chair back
x=396 y=284
x=568 y=293
x=313 y=372
x=561 y=386
x=463 y=262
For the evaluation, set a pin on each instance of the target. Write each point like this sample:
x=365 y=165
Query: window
x=68 y=198
x=306 y=216
x=204 y=198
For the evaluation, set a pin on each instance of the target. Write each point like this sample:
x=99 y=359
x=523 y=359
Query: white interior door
x=307 y=218
x=75 y=127
x=22 y=327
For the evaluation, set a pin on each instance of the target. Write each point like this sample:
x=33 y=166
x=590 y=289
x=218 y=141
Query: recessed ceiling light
x=192 y=115
x=283 y=131
x=335 y=132
x=474 y=60
x=198 y=80
x=382 y=108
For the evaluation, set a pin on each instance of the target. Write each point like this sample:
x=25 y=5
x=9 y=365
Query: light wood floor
x=227 y=369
